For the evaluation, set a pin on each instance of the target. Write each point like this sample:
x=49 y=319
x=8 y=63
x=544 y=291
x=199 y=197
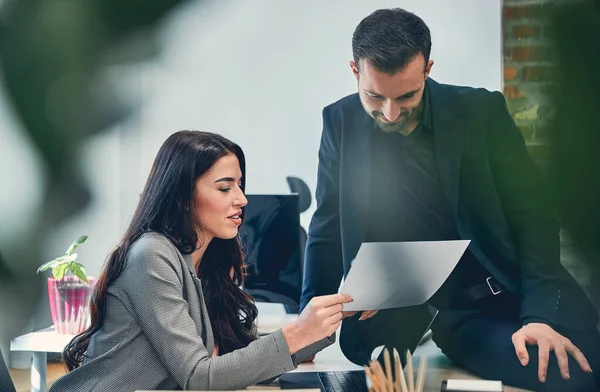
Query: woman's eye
x=225 y=189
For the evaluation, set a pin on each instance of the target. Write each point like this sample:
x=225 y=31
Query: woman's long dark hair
x=165 y=207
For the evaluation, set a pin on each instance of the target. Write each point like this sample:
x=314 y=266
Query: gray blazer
x=157 y=334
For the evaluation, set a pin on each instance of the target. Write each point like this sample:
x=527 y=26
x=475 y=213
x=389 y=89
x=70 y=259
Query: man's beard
x=397 y=126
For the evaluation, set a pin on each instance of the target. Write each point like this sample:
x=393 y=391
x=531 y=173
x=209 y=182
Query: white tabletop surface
x=45 y=340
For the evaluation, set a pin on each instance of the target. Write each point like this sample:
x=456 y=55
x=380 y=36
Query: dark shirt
x=407 y=202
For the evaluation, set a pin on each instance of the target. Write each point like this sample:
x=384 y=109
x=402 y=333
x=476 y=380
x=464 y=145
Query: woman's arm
x=153 y=285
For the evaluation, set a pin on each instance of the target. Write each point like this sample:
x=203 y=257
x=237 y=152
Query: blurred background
x=90 y=90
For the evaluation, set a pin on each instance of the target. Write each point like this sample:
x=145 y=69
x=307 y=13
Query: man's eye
x=407 y=96
x=374 y=96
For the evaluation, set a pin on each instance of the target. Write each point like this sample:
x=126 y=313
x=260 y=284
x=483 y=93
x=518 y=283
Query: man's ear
x=428 y=68
x=354 y=68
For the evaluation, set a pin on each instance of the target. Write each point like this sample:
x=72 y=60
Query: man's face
x=392 y=100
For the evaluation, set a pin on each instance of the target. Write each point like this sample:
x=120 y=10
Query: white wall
x=261 y=71
x=258 y=72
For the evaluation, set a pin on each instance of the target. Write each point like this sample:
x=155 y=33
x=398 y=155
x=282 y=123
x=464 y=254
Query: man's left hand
x=366 y=314
x=547 y=339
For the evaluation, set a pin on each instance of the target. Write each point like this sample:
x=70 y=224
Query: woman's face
x=218 y=200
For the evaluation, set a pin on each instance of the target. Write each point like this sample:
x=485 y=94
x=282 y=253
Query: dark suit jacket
x=495 y=191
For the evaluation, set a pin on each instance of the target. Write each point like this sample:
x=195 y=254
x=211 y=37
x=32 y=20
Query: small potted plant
x=69 y=295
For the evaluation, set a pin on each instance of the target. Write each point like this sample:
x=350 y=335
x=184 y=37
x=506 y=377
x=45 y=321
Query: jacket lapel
x=448 y=118
x=357 y=164
x=204 y=323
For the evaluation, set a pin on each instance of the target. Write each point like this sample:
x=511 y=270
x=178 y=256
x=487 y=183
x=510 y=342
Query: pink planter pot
x=69 y=303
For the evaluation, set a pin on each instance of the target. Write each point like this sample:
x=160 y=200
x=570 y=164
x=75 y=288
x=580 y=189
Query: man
x=408 y=159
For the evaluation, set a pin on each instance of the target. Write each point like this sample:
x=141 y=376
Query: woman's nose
x=241 y=199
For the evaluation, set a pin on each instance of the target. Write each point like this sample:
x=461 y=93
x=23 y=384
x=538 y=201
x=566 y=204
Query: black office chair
x=6 y=384
x=304 y=200
x=304 y=197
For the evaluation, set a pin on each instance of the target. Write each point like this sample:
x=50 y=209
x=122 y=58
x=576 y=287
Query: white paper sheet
x=395 y=274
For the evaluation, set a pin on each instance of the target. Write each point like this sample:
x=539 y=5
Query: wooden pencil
x=378 y=381
x=421 y=374
x=369 y=375
x=409 y=369
x=397 y=371
x=388 y=368
x=378 y=371
x=400 y=372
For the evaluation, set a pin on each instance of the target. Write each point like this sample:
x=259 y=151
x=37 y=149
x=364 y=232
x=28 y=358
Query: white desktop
x=271 y=317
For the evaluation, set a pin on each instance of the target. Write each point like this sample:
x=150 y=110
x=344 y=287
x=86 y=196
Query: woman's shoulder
x=153 y=249
x=152 y=241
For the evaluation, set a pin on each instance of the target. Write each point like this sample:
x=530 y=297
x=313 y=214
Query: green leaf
x=78 y=270
x=75 y=244
x=53 y=263
x=45 y=266
x=59 y=272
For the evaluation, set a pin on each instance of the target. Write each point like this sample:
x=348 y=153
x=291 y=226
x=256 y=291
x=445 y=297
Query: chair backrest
x=301 y=188
x=6 y=384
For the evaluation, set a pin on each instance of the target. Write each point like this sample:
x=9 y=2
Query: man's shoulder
x=466 y=94
x=348 y=103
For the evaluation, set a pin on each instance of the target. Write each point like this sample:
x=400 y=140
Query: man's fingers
x=579 y=357
x=518 y=340
x=543 y=358
x=349 y=314
x=367 y=314
x=563 y=361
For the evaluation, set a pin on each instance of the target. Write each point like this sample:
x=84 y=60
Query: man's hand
x=366 y=314
x=547 y=339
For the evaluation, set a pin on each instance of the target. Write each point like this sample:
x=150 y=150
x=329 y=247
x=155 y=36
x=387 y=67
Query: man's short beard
x=397 y=127
x=393 y=128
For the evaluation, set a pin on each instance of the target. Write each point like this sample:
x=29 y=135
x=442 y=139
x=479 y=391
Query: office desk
x=439 y=368
x=330 y=359
x=47 y=340
x=39 y=343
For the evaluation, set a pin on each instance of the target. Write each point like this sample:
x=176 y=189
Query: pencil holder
x=388 y=380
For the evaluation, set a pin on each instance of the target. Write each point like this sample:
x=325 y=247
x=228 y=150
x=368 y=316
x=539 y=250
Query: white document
x=388 y=275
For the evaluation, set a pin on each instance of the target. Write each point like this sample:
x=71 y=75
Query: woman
x=168 y=312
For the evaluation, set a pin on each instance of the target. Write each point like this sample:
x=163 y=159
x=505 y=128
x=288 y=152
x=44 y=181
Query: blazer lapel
x=448 y=118
x=206 y=327
x=357 y=169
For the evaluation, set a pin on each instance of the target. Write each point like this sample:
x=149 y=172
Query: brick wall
x=529 y=61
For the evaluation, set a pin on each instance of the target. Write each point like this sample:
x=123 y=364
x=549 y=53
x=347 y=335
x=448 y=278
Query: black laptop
x=338 y=381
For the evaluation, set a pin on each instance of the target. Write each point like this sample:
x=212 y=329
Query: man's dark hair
x=389 y=39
